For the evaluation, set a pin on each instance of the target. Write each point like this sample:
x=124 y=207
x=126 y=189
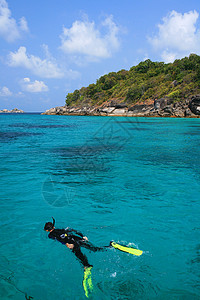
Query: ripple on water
x=134 y=186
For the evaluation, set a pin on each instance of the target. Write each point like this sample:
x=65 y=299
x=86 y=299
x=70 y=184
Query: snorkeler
x=73 y=239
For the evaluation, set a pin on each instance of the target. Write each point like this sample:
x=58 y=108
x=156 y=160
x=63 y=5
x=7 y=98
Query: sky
x=50 y=48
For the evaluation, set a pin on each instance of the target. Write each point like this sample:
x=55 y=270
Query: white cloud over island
x=33 y=87
x=84 y=38
x=178 y=36
x=9 y=29
x=46 y=68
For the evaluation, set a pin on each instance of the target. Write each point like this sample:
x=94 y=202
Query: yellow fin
x=87 y=281
x=127 y=249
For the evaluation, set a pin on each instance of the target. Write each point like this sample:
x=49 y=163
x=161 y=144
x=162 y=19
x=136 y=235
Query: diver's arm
x=70 y=246
x=68 y=230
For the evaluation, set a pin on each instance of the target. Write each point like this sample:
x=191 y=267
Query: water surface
x=132 y=180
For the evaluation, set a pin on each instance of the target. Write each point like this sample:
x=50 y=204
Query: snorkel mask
x=49 y=225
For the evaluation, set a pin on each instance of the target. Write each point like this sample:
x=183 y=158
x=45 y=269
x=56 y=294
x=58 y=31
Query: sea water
x=132 y=180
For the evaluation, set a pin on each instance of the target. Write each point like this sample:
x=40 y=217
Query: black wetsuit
x=74 y=237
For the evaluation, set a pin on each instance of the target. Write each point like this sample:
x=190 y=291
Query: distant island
x=148 y=89
x=14 y=110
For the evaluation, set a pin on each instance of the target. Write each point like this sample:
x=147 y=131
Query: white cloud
x=85 y=39
x=46 y=68
x=9 y=29
x=23 y=24
x=33 y=87
x=5 y=92
x=168 y=56
x=177 y=36
x=26 y=79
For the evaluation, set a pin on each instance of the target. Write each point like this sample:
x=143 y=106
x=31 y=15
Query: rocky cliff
x=162 y=107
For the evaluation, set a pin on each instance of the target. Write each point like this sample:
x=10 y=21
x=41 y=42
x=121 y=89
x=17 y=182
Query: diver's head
x=49 y=226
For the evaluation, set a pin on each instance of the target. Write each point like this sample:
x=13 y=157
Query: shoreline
x=128 y=116
x=189 y=108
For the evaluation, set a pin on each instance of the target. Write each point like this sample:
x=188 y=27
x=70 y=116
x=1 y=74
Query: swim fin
x=126 y=249
x=87 y=281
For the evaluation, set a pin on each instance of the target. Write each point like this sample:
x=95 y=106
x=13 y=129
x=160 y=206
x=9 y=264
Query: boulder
x=188 y=113
x=108 y=110
x=178 y=112
x=119 y=111
x=160 y=103
x=140 y=109
x=168 y=109
x=121 y=105
x=115 y=104
x=194 y=104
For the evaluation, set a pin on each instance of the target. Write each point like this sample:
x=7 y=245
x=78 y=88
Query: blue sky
x=49 y=48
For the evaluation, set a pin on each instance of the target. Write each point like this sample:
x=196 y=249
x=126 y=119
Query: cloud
x=5 y=92
x=177 y=36
x=46 y=68
x=9 y=29
x=33 y=87
x=85 y=39
x=23 y=24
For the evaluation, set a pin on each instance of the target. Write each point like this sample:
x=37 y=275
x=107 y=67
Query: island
x=12 y=111
x=150 y=89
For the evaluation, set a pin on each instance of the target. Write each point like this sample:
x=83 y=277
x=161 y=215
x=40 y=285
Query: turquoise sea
x=132 y=180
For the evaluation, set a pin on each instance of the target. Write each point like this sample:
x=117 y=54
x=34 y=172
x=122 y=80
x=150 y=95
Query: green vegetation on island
x=146 y=81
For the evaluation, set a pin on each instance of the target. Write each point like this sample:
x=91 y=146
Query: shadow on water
x=128 y=289
x=86 y=150
x=197 y=258
x=30 y=126
x=139 y=129
x=74 y=168
x=138 y=122
x=9 y=135
x=194 y=265
x=84 y=159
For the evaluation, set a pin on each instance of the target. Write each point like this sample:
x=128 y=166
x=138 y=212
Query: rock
x=121 y=105
x=168 y=110
x=179 y=113
x=137 y=107
x=160 y=103
x=140 y=110
x=188 y=113
x=15 y=110
x=163 y=107
x=194 y=105
x=119 y=111
x=108 y=110
x=59 y=110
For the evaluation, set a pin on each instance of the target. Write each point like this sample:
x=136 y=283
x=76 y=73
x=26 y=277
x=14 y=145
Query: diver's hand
x=70 y=246
x=85 y=238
